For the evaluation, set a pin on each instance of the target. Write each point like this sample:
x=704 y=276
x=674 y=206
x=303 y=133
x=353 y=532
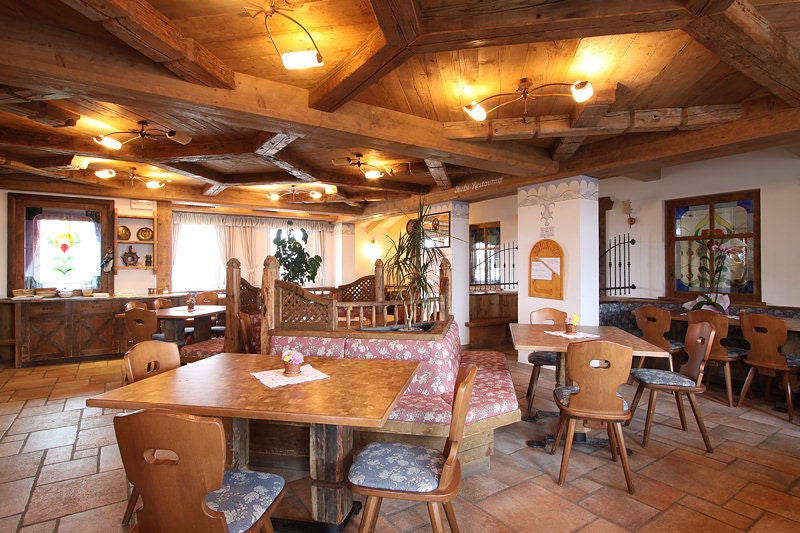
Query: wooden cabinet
x=135 y=242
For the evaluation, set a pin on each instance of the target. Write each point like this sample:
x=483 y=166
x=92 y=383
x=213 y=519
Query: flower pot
x=570 y=328
x=291 y=369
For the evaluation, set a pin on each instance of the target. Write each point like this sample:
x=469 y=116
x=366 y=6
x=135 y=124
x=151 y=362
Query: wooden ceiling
x=675 y=81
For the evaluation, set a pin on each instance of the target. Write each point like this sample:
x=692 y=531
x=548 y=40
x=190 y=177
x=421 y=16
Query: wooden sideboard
x=51 y=330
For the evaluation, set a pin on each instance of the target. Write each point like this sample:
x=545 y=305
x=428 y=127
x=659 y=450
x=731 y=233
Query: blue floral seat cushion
x=735 y=352
x=792 y=360
x=653 y=376
x=397 y=466
x=563 y=394
x=542 y=358
x=244 y=496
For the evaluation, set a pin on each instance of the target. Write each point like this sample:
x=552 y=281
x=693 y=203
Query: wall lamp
x=144 y=132
x=579 y=90
x=291 y=60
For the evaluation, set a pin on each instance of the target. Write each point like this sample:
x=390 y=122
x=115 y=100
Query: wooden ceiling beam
x=301 y=170
x=141 y=26
x=170 y=193
x=614 y=123
x=749 y=43
x=255 y=103
x=267 y=144
x=587 y=115
x=439 y=173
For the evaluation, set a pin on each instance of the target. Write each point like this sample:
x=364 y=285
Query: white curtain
x=316 y=246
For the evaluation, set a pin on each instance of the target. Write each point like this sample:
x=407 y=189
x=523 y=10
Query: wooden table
x=792 y=324
x=175 y=321
x=533 y=337
x=358 y=393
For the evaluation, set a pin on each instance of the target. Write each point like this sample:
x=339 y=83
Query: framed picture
x=436 y=228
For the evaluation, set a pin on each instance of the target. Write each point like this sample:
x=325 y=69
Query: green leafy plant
x=297 y=265
x=410 y=267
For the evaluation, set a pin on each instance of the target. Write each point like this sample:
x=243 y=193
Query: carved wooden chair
x=148 y=358
x=655 y=323
x=142 y=325
x=766 y=334
x=720 y=355
x=410 y=472
x=688 y=380
x=546 y=315
x=598 y=368
x=217 y=321
x=177 y=461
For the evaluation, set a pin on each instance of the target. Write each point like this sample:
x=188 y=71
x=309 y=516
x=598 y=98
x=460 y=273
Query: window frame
x=670 y=241
x=472 y=280
x=18 y=203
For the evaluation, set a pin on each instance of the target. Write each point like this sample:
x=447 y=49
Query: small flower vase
x=291 y=369
x=190 y=304
x=570 y=328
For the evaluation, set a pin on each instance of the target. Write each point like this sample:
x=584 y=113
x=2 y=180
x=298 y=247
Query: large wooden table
x=175 y=321
x=792 y=324
x=533 y=337
x=358 y=393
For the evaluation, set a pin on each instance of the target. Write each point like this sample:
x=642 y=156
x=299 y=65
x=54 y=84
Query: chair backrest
x=654 y=322
x=765 y=334
x=548 y=315
x=162 y=303
x=247 y=335
x=699 y=342
x=599 y=368
x=465 y=381
x=149 y=358
x=206 y=298
x=174 y=460
x=141 y=324
x=134 y=305
x=720 y=323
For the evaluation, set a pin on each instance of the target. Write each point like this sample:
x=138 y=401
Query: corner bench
x=422 y=414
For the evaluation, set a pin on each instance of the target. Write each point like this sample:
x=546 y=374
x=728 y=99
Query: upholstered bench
x=422 y=414
x=200 y=350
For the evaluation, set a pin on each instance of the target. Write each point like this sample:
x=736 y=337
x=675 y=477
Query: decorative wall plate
x=123 y=233
x=144 y=234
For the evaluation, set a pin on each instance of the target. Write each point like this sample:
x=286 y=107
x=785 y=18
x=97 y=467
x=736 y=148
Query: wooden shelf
x=142 y=248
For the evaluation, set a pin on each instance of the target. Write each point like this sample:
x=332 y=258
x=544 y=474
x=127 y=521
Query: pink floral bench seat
x=424 y=409
x=201 y=350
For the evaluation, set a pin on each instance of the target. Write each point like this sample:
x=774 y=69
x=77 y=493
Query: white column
x=344 y=253
x=565 y=211
x=458 y=254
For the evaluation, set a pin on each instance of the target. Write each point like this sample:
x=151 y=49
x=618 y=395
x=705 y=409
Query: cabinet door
x=94 y=328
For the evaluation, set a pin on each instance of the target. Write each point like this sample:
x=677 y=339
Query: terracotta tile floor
x=60 y=469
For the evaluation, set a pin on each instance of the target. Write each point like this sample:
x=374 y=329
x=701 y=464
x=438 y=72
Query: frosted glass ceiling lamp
x=106 y=173
x=370 y=171
x=295 y=60
x=149 y=183
x=579 y=90
x=144 y=132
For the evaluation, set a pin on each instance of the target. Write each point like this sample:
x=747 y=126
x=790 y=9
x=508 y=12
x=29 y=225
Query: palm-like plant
x=411 y=268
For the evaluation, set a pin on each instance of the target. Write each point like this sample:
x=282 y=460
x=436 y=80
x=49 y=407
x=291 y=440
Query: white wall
x=776 y=172
x=502 y=209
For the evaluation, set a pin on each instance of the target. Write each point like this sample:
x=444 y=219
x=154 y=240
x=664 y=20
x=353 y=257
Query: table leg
x=174 y=330
x=237 y=439
x=202 y=328
x=331 y=450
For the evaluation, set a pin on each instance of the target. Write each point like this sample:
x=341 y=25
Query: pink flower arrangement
x=573 y=319
x=292 y=356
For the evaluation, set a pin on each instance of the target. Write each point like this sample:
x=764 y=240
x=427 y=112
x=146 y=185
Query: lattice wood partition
x=297 y=308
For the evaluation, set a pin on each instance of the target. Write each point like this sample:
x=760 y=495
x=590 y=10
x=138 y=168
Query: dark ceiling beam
x=267 y=144
x=743 y=39
x=148 y=31
x=438 y=173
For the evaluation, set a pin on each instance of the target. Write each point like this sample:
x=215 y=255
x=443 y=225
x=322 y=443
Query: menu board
x=546 y=266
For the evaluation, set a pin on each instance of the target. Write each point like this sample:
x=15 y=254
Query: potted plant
x=297 y=265
x=410 y=266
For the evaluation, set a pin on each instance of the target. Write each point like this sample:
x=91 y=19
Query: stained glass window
x=700 y=229
x=66 y=252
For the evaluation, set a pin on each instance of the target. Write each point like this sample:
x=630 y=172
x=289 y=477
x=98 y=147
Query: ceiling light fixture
x=144 y=132
x=297 y=195
x=579 y=90
x=149 y=183
x=106 y=173
x=370 y=171
x=291 y=60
